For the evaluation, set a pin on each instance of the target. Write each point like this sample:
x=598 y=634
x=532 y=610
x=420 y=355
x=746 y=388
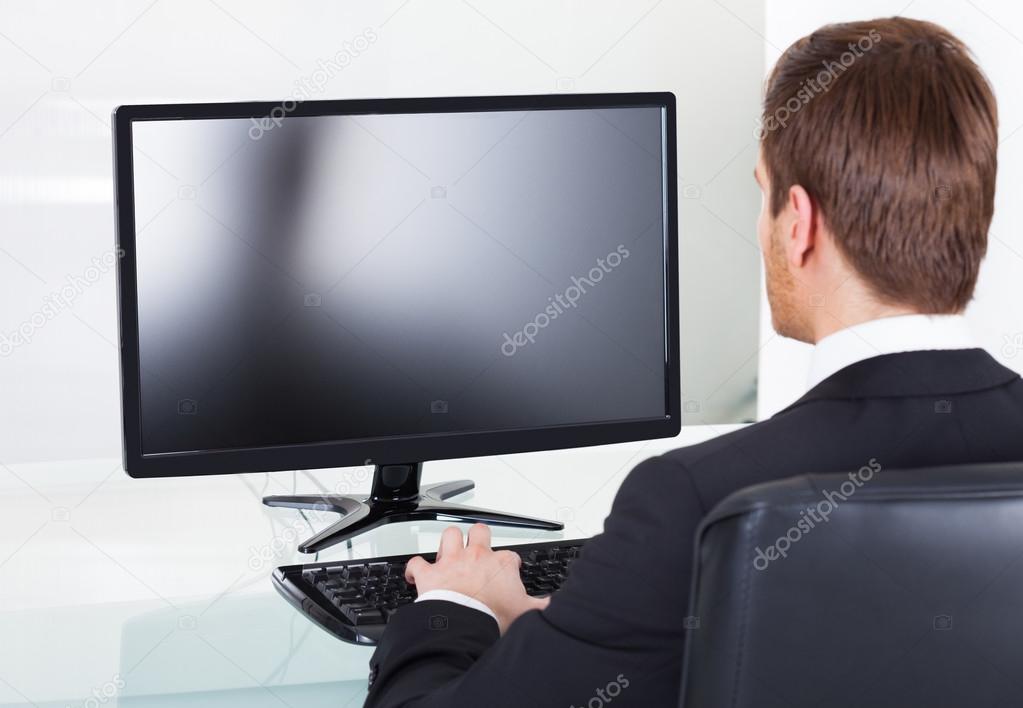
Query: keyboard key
x=362 y=614
x=346 y=595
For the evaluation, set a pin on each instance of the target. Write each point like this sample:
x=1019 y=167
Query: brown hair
x=892 y=129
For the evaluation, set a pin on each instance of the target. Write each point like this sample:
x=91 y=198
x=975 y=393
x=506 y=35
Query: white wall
x=67 y=64
x=128 y=545
x=993 y=29
x=58 y=394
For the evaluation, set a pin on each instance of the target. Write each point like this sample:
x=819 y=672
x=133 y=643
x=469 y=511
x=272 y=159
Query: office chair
x=907 y=592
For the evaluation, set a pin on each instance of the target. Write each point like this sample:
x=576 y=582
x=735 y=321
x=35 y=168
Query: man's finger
x=509 y=558
x=479 y=536
x=415 y=566
x=540 y=603
x=451 y=542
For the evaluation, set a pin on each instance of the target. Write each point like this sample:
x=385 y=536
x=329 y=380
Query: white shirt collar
x=888 y=335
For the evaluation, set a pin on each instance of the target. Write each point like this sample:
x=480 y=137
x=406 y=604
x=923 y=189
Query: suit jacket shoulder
x=900 y=410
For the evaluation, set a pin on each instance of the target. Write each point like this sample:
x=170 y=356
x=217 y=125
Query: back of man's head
x=892 y=129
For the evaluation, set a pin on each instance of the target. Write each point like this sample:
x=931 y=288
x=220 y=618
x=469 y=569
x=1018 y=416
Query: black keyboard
x=353 y=599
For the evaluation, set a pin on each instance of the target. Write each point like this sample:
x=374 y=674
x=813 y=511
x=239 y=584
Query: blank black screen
x=330 y=278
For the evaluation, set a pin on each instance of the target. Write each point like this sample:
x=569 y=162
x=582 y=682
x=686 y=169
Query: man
x=877 y=166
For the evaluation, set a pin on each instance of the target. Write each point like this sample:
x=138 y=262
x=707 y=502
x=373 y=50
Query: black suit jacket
x=621 y=614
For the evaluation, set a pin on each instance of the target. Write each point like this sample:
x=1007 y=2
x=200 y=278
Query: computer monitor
x=386 y=282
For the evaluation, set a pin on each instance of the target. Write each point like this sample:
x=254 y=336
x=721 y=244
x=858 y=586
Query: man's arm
x=619 y=619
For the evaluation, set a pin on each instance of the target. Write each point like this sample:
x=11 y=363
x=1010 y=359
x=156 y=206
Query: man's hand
x=473 y=569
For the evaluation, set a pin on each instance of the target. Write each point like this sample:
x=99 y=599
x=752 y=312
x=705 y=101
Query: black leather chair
x=909 y=594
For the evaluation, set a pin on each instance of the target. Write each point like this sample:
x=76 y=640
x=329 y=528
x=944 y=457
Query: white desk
x=156 y=593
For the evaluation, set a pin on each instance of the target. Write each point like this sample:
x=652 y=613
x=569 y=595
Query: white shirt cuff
x=457 y=598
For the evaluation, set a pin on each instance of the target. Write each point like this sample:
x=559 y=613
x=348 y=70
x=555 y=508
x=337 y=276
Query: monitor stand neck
x=396 y=496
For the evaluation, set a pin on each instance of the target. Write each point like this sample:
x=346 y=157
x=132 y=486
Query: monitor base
x=396 y=496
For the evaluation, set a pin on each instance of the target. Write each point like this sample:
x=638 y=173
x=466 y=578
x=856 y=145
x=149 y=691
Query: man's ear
x=802 y=232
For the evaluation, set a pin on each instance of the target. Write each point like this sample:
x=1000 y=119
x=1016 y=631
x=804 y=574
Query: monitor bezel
x=392 y=449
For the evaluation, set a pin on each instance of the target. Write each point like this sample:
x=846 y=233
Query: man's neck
x=829 y=321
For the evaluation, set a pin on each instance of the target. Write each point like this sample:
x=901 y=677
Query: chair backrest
x=874 y=588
